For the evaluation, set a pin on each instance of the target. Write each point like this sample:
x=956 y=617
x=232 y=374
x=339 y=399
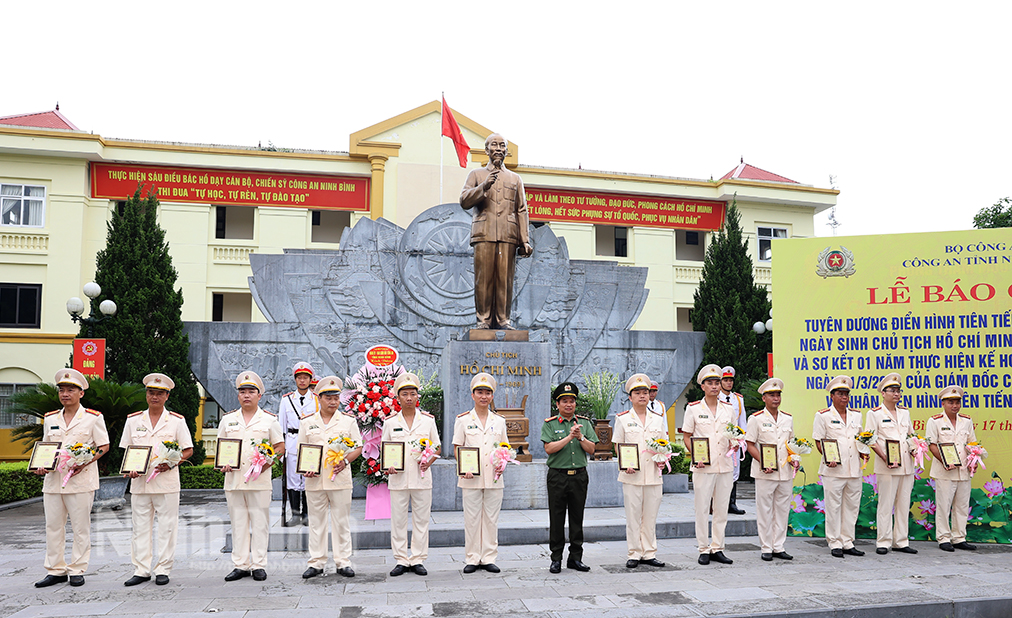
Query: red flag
x=452 y=130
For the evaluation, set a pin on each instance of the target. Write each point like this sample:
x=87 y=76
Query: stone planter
x=676 y=483
x=111 y=493
x=602 y=450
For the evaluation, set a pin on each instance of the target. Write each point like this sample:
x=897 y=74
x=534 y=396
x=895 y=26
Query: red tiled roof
x=41 y=120
x=744 y=171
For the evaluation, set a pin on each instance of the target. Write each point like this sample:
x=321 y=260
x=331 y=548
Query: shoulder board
x=463 y=414
x=308 y=414
x=289 y=394
x=271 y=413
x=134 y=414
x=758 y=413
x=963 y=415
x=853 y=410
x=782 y=412
x=52 y=413
x=550 y=419
x=877 y=408
x=823 y=411
x=177 y=415
x=937 y=416
x=622 y=413
x=346 y=413
x=899 y=406
x=692 y=403
x=586 y=418
x=738 y=395
x=497 y=414
x=424 y=413
x=97 y=413
x=657 y=413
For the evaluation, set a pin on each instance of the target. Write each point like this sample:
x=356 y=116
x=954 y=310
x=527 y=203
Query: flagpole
x=442 y=99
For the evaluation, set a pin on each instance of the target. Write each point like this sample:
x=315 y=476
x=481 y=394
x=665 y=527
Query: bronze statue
x=498 y=233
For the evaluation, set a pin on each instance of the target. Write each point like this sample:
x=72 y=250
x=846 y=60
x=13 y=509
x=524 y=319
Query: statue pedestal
x=488 y=334
x=522 y=370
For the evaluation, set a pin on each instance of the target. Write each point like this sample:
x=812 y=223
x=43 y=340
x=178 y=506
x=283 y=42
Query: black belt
x=290 y=430
x=569 y=471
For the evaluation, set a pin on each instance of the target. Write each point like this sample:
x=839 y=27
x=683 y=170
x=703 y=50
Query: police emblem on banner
x=835 y=263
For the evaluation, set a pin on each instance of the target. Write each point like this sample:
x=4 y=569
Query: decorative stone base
x=488 y=334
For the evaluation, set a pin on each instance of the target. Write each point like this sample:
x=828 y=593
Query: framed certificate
x=135 y=459
x=310 y=458
x=893 y=452
x=392 y=455
x=701 y=451
x=468 y=460
x=950 y=456
x=831 y=451
x=768 y=454
x=628 y=456
x=228 y=453
x=44 y=456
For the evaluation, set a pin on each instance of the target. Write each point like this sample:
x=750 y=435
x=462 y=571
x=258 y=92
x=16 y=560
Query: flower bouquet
x=736 y=435
x=793 y=457
x=500 y=457
x=918 y=448
x=337 y=449
x=263 y=457
x=168 y=453
x=421 y=450
x=975 y=456
x=801 y=446
x=367 y=395
x=659 y=451
x=73 y=457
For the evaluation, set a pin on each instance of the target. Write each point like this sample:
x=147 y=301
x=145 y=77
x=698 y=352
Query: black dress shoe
x=704 y=559
x=945 y=547
x=905 y=550
x=51 y=580
x=346 y=572
x=259 y=575
x=161 y=580
x=767 y=557
x=400 y=569
x=136 y=579
x=783 y=555
x=470 y=568
x=578 y=565
x=837 y=553
x=312 y=572
x=721 y=558
x=734 y=510
x=237 y=574
x=632 y=564
x=491 y=568
x=882 y=550
x=419 y=570
x=556 y=567
x=964 y=545
x=77 y=580
x=654 y=562
x=853 y=551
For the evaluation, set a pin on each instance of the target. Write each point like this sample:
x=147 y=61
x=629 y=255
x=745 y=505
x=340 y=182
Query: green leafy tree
x=146 y=335
x=999 y=215
x=728 y=302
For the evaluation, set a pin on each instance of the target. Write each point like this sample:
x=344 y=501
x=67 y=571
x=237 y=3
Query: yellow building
x=59 y=186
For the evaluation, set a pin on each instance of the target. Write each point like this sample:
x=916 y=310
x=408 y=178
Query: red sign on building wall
x=89 y=357
x=624 y=209
x=231 y=187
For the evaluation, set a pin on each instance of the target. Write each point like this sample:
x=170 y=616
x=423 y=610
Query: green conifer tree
x=728 y=302
x=146 y=335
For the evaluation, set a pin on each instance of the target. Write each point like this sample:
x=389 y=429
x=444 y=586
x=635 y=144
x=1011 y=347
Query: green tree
x=146 y=335
x=999 y=215
x=728 y=302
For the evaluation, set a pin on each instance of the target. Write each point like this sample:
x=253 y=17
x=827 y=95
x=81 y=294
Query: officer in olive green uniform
x=568 y=440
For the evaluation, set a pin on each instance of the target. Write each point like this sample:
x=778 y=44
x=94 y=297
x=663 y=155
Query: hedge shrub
x=206 y=477
x=17 y=483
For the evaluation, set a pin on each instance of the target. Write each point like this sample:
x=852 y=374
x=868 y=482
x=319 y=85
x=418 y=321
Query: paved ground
x=932 y=583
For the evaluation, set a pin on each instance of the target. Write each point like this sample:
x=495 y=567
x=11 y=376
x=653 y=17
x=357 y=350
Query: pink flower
x=918 y=472
x=820 y=505
x=798 y=504
x=924 y=523
x=993 y=488
x=872 y=480
x=931 y=483
x=927 y=507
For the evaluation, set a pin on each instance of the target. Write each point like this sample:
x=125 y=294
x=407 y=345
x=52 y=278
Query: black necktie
x=302 y=400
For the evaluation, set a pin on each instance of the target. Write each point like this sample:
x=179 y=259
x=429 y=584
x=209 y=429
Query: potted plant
x=601 y=390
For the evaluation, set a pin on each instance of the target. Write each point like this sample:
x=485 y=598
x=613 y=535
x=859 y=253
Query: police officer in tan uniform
x=641 y=489
x=891 y=421
x=482 y=495
x=711 y=482
x=324 y=493
x=70 y=425
x=249 y=502
x=157 y=498
x=841 y=481
x=952 y=483
x=773 y=490
x=411 y=487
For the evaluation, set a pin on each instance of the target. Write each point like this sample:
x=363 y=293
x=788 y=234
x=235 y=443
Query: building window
x=612 y=241
x=20 y=305
x=234 y=222
x=7 y=418
x=22 y=205
x=231 y=307
x=688 y=247
x=328 y=225
x=766 y=236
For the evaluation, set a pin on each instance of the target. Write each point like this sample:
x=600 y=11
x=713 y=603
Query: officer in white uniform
x=70 y=425
x=773 y=490
x=482 y=494
x=737 y=403
x=326 y=495
x=249 y=502
x=641 y=489
x=656 y=405
x=952 y=483
x=841 y=481
x=411 y=487
x=157 y=498
x=711 y=482
x=295 y=405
